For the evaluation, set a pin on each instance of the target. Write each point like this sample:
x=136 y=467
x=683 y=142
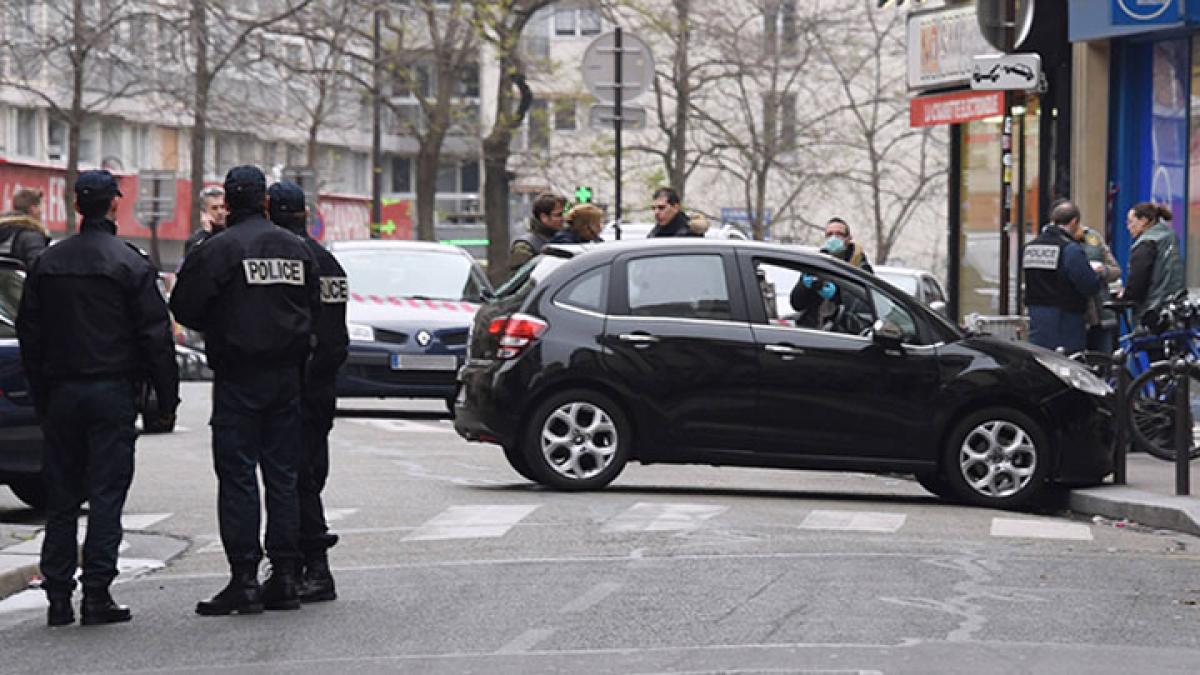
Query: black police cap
x=286 y=197
x=96 y=185
x=245 y=179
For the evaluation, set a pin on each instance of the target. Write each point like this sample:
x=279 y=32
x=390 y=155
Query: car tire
x=997 y=458
x=936 y=484
x=577 y=440
x=29 y=489
x=516 y=459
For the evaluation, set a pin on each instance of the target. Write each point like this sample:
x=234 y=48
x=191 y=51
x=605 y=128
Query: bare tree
x=78 y=59
x=499 y=24
x=892 y=171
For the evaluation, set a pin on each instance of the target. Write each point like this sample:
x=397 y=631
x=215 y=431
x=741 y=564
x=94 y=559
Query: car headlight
x=360 y=332
x=1074 y=375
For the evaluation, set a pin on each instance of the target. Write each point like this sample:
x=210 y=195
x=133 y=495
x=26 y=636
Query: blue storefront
x=1154 y=111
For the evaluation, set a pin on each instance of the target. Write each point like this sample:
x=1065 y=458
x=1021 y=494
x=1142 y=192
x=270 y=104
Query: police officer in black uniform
x=1059 y=283
x=92 y=326
x=254 y=293
x=318 y=401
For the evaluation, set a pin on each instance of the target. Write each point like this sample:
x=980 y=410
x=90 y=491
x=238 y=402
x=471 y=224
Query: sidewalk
x=17 y=567
x=1148 y=498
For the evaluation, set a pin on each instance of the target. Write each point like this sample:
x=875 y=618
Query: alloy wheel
x=997 y=458
x=579 y=440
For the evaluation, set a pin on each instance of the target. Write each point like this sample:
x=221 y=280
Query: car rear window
x=529 y=276
x=587 y=291
x=684 y=286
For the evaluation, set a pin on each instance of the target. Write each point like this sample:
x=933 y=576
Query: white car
x=640 y=230
x=918 y=283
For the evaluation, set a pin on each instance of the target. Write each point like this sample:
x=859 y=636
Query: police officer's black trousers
x=89 y=436
x=256 y=422
x=319 y=404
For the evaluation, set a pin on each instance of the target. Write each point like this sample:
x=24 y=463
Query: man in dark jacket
x=840 y=244
x=669 y=219
x=547 y=220
x=318 y=399
x=92 y=325
x=22 y=235
x=1059 y=283
x=212 y=217
x=254 y=293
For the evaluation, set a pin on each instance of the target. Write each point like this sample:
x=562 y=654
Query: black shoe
x=60 y=612
x=317 y=583
x=99 y=608
x=242 y=595
x=280 y=591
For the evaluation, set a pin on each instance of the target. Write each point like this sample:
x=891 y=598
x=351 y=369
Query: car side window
x=889 y=310
x=587 y=291
x=932 y=292
x=795 y=295
x=685 y=286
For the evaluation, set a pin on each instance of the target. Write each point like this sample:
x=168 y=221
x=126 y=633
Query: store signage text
x=942 y=46
x=929 y=111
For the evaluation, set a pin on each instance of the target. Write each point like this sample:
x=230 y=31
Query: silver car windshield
x=904 y=282
x=413 y=274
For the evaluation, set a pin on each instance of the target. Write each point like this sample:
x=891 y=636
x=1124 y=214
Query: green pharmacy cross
x=583 y=194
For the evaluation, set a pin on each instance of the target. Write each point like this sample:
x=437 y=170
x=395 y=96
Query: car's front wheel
x=577 y=440
x=997 y=457
x=29 y=489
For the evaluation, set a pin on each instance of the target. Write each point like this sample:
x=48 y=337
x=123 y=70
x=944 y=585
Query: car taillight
x=516 y=333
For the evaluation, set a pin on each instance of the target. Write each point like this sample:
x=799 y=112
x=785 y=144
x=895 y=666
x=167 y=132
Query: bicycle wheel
x=1151 y=399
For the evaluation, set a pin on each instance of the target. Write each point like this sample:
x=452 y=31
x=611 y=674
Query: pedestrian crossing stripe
x=472 y=522
x=853 y=521
x=404 y=426
x=649 y=517
x=1039 y=529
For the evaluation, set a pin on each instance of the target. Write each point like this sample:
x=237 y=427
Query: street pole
x=618 y=122
x=1183 y=427
x=1006 y=166
x=1021 y=205
x=376 y=129
x=154 y=257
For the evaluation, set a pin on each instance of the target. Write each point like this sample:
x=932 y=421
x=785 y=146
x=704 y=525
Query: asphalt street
x=450 y=562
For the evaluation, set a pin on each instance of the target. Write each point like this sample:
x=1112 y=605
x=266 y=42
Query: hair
x=25 y=199
x=1064 y=212
x=212 y=191
x=1153 y=212
x=546 y=203
x=836 y=219
x=668 y=194
x=585 y=214
x=95 y=208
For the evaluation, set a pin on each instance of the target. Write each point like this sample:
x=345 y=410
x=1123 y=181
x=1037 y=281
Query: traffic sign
x=155 y=195
x=995 y=25
x=599 y=67
x=602 y=116
x=1015 y=72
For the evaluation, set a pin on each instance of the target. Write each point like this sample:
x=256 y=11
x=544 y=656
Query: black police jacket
x=332 y=338
x=253 y=291
x=91 y=309
x=1057 y=273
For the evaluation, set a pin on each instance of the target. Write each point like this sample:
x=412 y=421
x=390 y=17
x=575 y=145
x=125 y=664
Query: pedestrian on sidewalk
x=22 y=234
x=92 y=323
x=1156 y=273
x=318 y=400
x=1060 y=283
x=254 y=293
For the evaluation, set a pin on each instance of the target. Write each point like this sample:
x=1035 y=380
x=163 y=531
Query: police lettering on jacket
x=267 y=271
x=334 y=290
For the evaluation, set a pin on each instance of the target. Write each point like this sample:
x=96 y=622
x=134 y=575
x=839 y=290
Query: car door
x=678 y=342
x=833 y=394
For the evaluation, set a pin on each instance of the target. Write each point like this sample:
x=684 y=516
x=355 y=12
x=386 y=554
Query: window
x=470 y=176
x=787 y=134
x=56 y=140
x=402 y=174
x=539 y=126
x=447 y=178
x=27 y=133
x=685 y=286
x=933 y=292
x=564 y=22
x=564 y=115
x=589 y=22
x=890 y=310
x=808 y=298
x=588 y=291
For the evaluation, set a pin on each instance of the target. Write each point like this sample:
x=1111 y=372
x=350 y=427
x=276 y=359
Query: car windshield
x=430 y=275
x=530 y=274
x=11 y=283
x=905 y=282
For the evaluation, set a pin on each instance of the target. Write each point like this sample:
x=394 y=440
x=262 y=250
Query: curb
x=1181 y=514
x=16 y=580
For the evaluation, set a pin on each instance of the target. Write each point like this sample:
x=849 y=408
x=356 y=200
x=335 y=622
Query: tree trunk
x=75 y=121
x=679 y=142
x=495 y=174
x=428 y=158
x=200 y=110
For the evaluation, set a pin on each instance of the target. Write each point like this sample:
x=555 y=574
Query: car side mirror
x=938 y=306
x=887 y=334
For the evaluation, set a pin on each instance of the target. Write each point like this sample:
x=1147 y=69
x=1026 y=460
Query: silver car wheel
x=579 y=440
x=997 y=458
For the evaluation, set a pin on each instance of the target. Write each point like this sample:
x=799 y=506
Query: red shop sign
x=930 y=111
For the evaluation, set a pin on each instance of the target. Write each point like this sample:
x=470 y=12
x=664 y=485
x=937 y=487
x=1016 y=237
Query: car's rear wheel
x=29 y=489
x=577 y=440
x=997 y=457
x=516 y=459
x=934 y=482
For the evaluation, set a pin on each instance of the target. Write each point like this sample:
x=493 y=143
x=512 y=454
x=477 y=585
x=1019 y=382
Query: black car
x=676 y=351
x=20 y=432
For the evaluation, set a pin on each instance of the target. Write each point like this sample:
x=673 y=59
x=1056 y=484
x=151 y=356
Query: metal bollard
x=1183 y=426
x=1122 y=440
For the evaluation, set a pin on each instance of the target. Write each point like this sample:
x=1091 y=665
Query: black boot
x=317 y=584
x=279 y=591
x=60 y=612
x=99 y=608
x=243 y=595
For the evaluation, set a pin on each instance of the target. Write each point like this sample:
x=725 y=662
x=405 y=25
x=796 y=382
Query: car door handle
x=639 y=340
x=787 y=350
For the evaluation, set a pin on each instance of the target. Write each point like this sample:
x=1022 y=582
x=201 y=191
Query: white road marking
x=142 y=521
x=592 y=598
x=130 y=522
x=1040 y=529
x=22 y=601
x=403 y=426
x=472 y=522
x=853 y=521
x=332 y=514
x=647 y=517
x=525 y=641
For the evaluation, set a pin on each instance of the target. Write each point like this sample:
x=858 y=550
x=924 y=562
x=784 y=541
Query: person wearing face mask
x=1059 y=283
x=1155 y=269
x=840 y=244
